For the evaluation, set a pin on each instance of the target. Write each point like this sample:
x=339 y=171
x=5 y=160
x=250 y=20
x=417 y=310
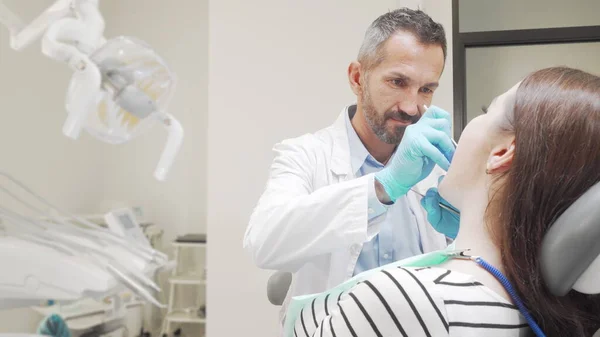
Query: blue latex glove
x=424 y=144
x=441 y=219
x=54 y=326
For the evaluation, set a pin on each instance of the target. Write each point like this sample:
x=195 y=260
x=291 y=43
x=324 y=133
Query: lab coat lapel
x=342 y=261
x=340 y=154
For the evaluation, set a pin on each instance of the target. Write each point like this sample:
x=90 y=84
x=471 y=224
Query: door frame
x=462 y=41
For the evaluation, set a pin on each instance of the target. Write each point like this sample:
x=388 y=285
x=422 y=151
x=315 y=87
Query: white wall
x=277 y=70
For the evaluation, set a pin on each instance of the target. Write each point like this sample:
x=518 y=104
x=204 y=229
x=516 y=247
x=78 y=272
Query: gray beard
x=377 y=123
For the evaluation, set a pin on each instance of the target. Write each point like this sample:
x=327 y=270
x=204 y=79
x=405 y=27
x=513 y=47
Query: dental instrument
x=120 y=87
x=507 y=286
x=442 y=205
x=95 y=262
x=100 y=234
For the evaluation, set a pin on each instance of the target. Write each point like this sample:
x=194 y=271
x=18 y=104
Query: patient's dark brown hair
x=556 y=123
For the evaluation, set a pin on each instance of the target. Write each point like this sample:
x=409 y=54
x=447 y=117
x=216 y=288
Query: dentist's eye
x=398 y=82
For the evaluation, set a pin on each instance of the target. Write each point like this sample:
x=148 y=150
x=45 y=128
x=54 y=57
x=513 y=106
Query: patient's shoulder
x=410 y=301
x=430 y=301
x=468 y=305
x=391 y=302
x=404 y=299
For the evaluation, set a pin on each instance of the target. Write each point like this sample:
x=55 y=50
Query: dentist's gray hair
x=416 y=22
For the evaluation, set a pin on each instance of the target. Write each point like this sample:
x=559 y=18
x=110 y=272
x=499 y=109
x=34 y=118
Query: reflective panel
x=489 y=15
x=493 y=70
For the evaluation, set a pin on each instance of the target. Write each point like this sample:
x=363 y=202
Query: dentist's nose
x=410 y=106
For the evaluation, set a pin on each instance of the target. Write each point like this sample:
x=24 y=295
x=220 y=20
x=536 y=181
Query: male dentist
x=342 y=201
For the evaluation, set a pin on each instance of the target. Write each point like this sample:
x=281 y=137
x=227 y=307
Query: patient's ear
x=501 y=158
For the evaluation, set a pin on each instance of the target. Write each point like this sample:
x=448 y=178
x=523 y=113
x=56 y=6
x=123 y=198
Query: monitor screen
x=126 y=221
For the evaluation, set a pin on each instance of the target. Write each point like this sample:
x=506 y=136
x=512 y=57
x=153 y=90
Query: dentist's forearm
x=287 y=230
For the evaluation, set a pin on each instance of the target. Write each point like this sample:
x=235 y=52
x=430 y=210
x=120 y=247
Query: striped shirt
x=411 y=302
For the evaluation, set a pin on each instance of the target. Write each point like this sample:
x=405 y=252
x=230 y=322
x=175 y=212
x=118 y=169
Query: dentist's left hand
x=442 y=220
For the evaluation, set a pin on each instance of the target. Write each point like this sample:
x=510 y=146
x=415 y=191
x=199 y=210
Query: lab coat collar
x=358 y=152
x=340 y=155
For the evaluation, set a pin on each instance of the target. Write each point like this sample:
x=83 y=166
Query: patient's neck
x=473 y=232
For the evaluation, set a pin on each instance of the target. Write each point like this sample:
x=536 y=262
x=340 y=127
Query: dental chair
x=278 y=286
x=570 y=253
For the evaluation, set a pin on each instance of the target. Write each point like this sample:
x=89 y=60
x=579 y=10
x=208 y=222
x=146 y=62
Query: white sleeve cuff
x=375 y=207
x=376 y=210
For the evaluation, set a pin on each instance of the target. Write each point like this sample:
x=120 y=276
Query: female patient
x=517 y=167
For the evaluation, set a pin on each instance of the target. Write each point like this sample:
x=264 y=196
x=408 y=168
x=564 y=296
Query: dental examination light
x=120 y=87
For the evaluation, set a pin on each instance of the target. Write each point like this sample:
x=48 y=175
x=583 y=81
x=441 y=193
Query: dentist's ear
x=356 y=77
x=500 y=159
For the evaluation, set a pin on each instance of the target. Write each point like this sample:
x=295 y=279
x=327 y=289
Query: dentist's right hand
x=424 y=144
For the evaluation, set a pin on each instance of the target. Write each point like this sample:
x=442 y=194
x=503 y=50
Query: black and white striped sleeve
x=393 y=302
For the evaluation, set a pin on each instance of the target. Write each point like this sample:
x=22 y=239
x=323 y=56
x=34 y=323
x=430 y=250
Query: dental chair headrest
x=570 y=253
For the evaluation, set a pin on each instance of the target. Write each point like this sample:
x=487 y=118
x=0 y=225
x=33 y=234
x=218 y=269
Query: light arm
x=21 y=34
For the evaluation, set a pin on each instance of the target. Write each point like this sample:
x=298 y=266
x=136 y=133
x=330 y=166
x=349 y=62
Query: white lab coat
x=312 y=218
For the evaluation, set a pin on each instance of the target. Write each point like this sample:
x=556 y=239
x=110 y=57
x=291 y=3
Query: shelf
x=183 y=317
x=189 y=244
x=187 y=279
